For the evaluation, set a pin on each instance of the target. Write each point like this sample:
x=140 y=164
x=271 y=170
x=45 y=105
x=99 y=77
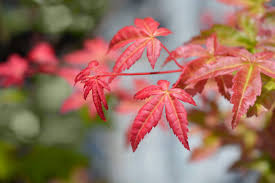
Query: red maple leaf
x=95 y=49
x=13 y=71
x=246 y=83
x=150 y=114
x=204 y=56
x=212 y=50
x=75 y=100
x=93 y=81
x=142 y=35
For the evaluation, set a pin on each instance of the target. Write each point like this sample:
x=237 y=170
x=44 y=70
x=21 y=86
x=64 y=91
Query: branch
x=138 y=73
x=178 y=64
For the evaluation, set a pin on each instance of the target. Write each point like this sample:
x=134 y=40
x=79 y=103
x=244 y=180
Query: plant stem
x=178 y=64
x=139 y=73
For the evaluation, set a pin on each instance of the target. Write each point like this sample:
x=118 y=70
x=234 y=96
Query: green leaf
x=228 y=36
x=248 y=26
x=12 y=95
x=44 y=163
x=7 y=164
x=266 y=100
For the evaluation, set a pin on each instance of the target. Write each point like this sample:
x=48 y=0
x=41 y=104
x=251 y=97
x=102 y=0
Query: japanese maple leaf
x=150 y=114
x=75 y=101
x=211 y=50
x=95 y=49
x=204 y=56
x=142 y=35
x=96 y=84
x=44 y=56
x=247 y=82
x=13 y=71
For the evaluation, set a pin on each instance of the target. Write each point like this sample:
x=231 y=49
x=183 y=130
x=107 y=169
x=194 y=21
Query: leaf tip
x=193 y=102
x=134 y=147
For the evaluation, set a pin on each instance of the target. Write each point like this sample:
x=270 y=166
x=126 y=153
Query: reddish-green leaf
x=247 y=86
x=224 y=85
x=246 y=83
x=208 y=55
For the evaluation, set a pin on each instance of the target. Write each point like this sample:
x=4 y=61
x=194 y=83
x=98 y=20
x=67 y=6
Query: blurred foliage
x=232 y=37
x=64 y=22
x=49 y=162
x=49 y=16
x=254 y=134
x=37 y=144
x=266 y=101
x=37 y=163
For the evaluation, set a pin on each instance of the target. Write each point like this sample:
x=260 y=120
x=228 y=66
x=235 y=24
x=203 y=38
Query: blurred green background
x=37 y=143
x=63 y=22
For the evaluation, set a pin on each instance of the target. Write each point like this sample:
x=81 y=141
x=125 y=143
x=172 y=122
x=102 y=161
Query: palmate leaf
x=246 y=83
x=247 y=86
x=150 y=114
x=75 y=100
x=210 y=54
x=96 y=84
x=142 y=35
x=224 y=85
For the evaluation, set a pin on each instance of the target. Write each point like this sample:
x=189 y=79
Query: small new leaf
x=96 y=84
